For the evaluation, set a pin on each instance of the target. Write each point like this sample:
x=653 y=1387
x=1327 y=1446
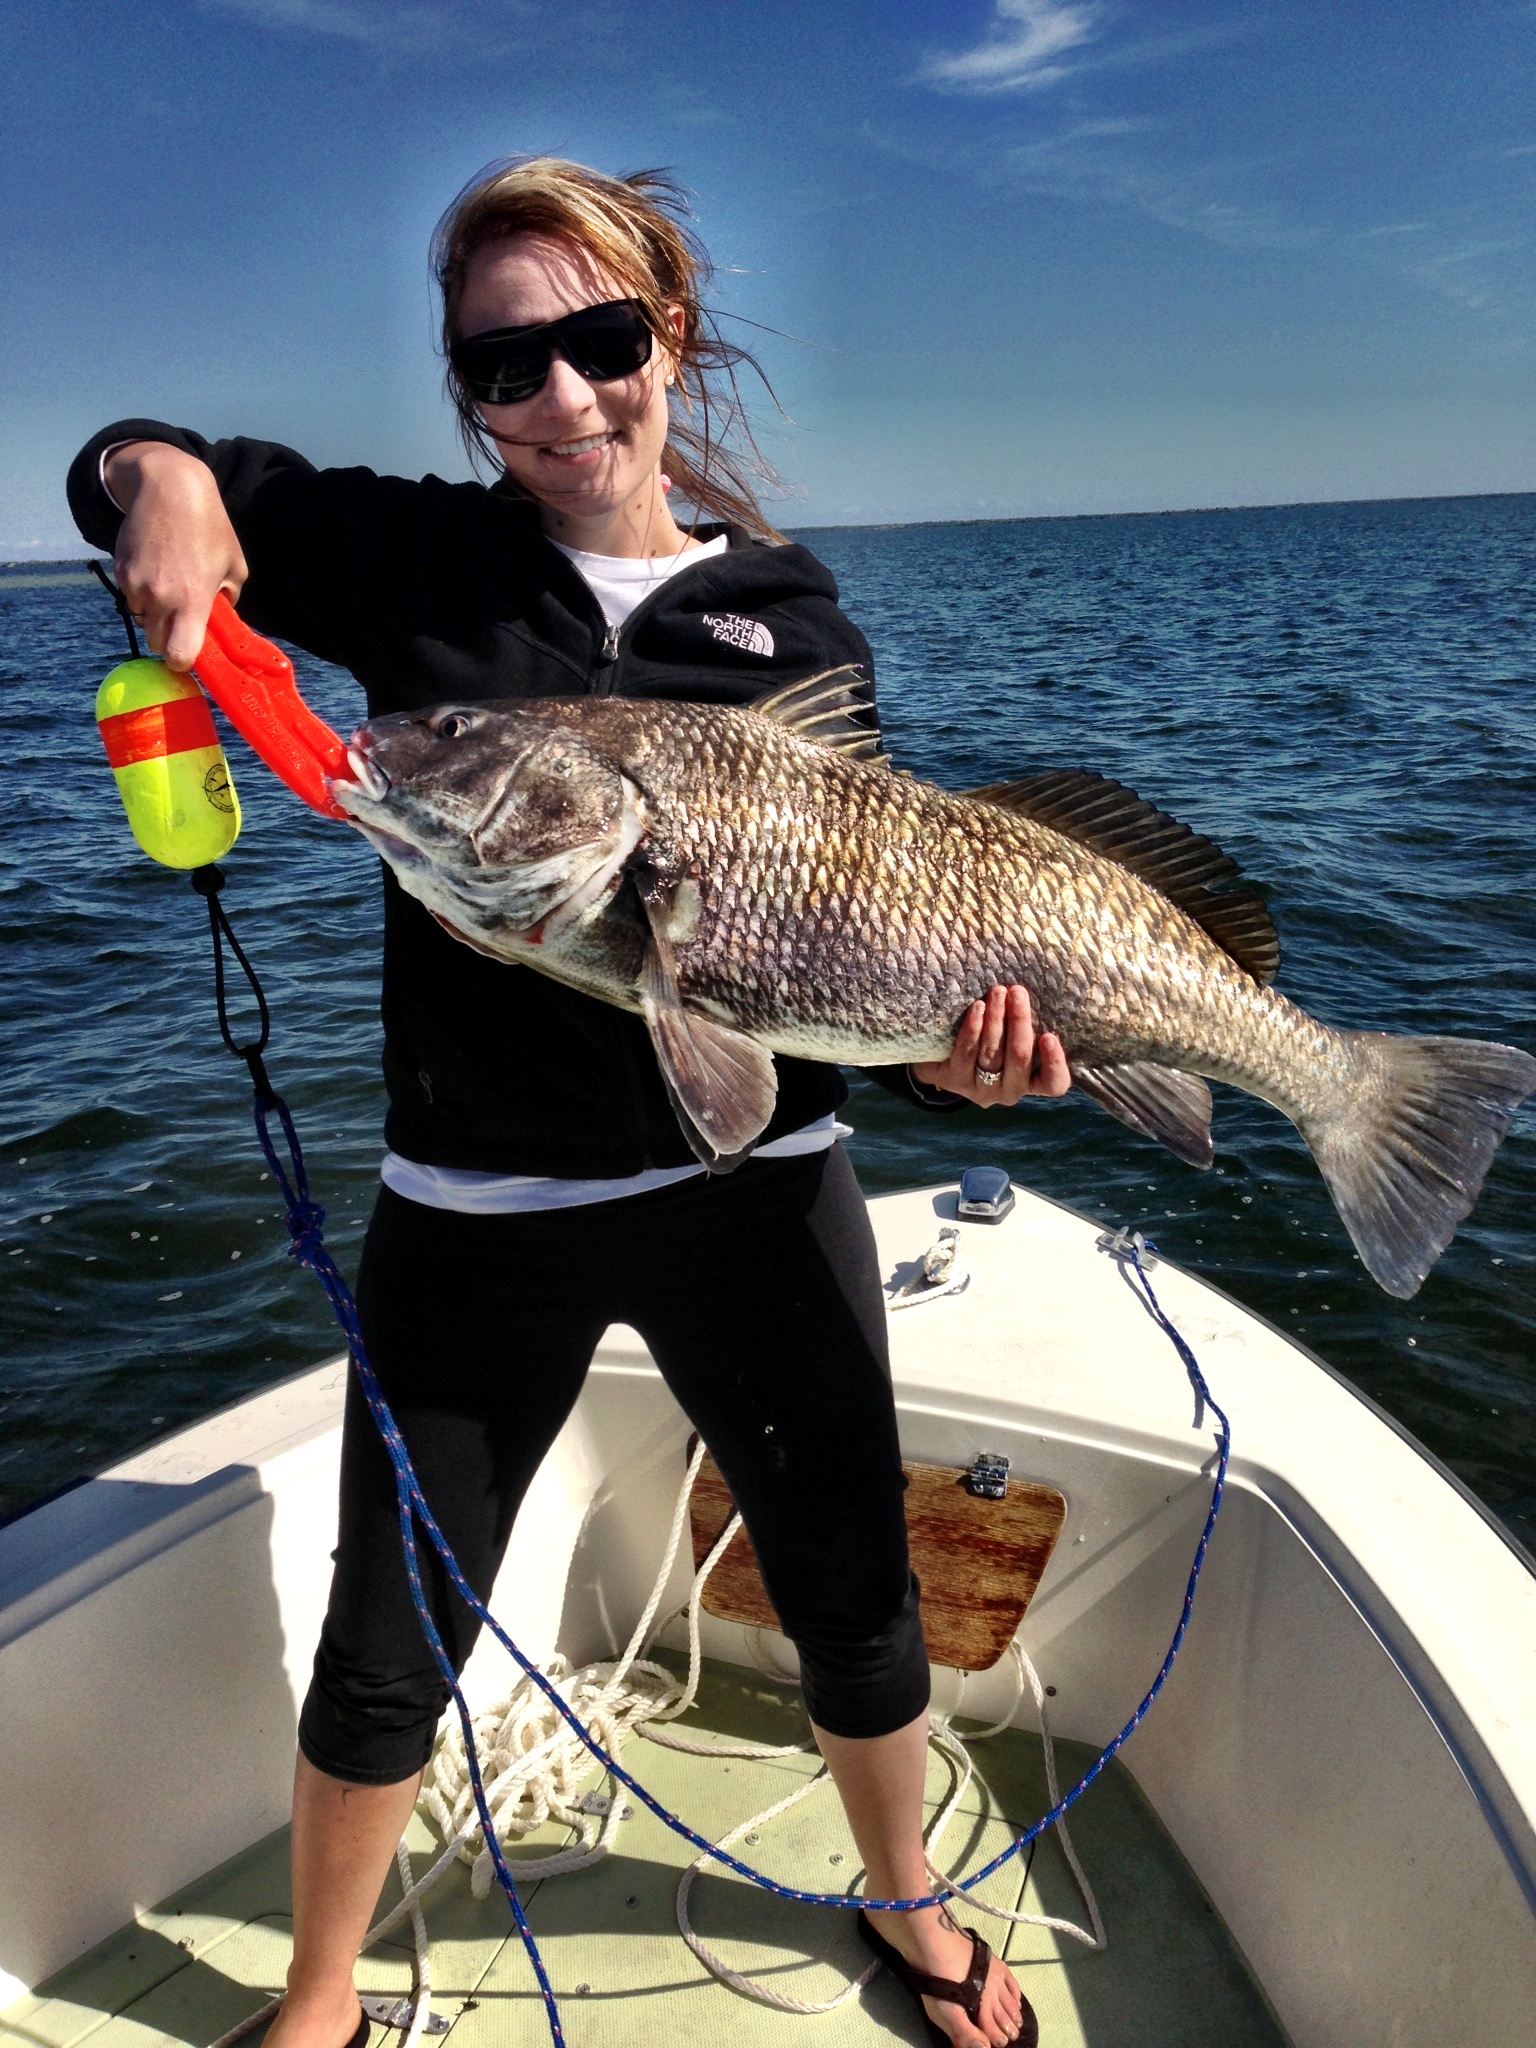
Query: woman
x=528 y=1127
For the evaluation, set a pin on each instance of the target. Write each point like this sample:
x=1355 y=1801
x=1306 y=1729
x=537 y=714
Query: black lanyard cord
x=208 y=881
x=121 y=602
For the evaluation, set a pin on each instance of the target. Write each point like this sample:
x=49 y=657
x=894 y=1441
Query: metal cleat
x=396 y=2012
x=1126 y=1244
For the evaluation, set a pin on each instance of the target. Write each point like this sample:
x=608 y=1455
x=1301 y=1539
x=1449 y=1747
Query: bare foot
x=935 y=1941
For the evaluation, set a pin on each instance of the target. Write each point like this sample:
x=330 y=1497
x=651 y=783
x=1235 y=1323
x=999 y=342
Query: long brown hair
x=638 y=229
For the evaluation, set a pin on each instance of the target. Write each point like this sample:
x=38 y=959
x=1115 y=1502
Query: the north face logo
x=735 y=631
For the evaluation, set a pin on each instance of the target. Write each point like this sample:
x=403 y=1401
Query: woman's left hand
x=998 y=1037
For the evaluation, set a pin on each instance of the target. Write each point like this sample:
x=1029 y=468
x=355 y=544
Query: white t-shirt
x=619 y=584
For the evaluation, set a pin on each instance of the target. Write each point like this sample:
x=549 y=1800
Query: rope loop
x=208 y=882
x=121 y=602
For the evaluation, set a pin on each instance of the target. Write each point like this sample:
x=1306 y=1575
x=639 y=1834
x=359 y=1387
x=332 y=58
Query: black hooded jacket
x=431 y=592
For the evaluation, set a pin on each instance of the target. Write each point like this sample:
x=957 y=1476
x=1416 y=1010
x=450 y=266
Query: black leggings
x=759 y=1297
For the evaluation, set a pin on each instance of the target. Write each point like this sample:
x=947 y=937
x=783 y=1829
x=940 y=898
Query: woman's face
x=586 y=451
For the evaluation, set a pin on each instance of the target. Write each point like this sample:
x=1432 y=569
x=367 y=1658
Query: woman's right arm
x=177 y=547
x=313 y=554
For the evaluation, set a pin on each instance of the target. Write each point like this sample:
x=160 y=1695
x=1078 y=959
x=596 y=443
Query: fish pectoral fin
x=722 y=1083
x=1160 y=1102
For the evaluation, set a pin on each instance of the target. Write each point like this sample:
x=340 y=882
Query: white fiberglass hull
x=1345 y=1754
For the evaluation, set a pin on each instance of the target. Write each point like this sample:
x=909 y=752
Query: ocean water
x=1341 y=696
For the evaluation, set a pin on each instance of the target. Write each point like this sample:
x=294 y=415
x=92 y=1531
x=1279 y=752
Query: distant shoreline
x=71 y=568
x=1170 y=512
x=64 y=569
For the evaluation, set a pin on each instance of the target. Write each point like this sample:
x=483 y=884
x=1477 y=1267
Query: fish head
x=508 y=828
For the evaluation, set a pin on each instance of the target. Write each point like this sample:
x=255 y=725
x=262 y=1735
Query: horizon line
x=990 y=519
x=1160 y=512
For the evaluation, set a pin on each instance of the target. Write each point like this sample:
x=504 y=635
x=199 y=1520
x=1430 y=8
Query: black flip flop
x=967 y=1995
x=361 y=2036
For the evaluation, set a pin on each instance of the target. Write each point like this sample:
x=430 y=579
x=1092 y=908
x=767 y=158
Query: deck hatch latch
x=988 y=1476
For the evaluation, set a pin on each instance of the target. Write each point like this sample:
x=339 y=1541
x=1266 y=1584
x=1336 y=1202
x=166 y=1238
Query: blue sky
x=1037 y=255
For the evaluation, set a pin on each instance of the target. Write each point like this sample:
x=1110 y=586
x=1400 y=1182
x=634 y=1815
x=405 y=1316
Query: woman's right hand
x=177 y=549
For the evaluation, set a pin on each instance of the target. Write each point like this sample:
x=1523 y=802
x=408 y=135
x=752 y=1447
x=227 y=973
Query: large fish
x=759 y=881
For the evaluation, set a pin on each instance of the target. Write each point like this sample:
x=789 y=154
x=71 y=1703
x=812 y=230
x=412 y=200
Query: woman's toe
x=952 y=2021
x=1007 y=2002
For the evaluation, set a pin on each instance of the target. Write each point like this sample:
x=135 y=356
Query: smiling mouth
x=585 y=446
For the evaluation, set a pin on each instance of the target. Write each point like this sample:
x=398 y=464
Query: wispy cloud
x=1021 y=49
x=1114 y=161
x=1467 y=275
x=1459 y=254
x=1242 y=201
x=394 y=26
x=1099 y=160
x=352 y=21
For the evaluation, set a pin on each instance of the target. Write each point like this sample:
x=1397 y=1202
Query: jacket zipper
x=605 y=672
x=602 y=678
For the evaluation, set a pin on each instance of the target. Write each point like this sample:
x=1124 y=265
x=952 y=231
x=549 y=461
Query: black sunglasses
x=510 y=363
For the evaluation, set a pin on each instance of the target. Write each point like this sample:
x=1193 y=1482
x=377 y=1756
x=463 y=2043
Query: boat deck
x=190 y=1969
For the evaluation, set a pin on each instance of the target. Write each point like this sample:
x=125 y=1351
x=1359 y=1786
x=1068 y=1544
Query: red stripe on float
x=159 y=729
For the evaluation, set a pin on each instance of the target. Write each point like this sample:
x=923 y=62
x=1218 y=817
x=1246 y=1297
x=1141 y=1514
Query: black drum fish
x=760 y=880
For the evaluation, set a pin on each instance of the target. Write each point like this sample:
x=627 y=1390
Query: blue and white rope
x=305 y=1220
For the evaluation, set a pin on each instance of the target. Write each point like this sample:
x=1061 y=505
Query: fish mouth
x=359 y=797
x=400 y=853
x=367 y=773
x=368 y=785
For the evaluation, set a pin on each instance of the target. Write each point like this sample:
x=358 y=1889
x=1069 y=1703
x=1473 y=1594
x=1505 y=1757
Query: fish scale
x=953 y=896
x=752 y=884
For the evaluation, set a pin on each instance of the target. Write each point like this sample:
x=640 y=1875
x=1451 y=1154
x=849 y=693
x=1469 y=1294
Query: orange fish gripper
x=252 y=683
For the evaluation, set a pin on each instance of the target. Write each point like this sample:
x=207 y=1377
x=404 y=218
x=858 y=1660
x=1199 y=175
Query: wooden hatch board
x=978 y=1561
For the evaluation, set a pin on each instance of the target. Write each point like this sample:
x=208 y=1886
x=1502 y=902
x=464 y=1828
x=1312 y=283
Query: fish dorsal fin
x=1181 y=865
x=831 y=709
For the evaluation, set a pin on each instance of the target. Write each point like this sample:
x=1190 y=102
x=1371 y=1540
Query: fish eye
x=563 y=765
x=453 y=726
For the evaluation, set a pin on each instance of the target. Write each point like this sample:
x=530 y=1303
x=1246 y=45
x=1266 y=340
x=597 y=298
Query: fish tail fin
x=1405 y=1143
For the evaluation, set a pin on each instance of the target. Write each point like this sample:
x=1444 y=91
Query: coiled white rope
x=749 y=1987
x=531 y=1762
x=941 y=1271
